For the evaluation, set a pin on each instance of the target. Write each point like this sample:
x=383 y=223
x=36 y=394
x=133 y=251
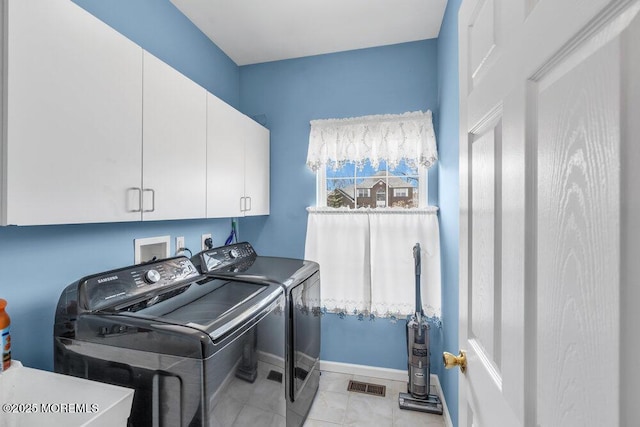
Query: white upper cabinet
x=225 y=160
x=72 y=118
x=96 y=130
x=174 y=144
x=237 y=163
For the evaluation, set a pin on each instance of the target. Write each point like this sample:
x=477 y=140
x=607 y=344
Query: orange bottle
x=5 y=337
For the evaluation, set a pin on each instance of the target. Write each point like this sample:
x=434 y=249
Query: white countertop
x=31 y=397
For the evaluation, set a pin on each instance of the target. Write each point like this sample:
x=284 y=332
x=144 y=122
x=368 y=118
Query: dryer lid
x=285 y=271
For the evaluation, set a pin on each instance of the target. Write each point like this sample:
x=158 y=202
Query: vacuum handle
x=416 y=257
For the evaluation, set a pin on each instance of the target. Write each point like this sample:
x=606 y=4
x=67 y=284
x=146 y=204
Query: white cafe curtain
x=366 y=259
x=392 y=237
x=389 y=137
x=339 y=242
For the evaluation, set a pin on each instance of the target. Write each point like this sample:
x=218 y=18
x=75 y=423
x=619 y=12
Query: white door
x=549 y=212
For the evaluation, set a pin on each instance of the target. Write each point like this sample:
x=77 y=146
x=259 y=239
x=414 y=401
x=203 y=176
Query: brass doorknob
x=451 y=361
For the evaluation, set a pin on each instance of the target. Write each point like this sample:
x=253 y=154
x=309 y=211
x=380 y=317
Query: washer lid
x=208 y=303
x=196 y=320
x=171 y=291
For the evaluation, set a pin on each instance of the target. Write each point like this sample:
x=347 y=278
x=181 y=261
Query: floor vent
x=275 y=376
x=367 y=388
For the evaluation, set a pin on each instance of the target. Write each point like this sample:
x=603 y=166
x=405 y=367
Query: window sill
x=428 y=209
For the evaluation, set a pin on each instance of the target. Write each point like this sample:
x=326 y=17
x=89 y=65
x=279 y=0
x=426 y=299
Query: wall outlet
x=179 y=243
x=206 y=236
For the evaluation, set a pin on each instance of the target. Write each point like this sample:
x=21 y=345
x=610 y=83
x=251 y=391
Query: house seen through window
x=368 y=187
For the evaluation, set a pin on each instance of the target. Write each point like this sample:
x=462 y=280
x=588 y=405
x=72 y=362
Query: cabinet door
x=256 y=173
x=225 y=160
x=73 y=118
x=174 y=144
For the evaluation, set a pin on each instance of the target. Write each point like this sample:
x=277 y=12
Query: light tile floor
x=335 y=406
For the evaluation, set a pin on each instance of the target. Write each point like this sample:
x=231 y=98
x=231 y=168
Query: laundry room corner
x=289 y=94
x=86 y=269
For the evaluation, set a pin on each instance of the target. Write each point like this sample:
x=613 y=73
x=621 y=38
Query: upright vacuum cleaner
x=418 y=397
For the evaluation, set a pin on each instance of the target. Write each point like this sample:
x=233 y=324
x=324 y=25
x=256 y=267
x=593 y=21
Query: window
x=364 y=192
x=400 y=192
x=368 y=187
x=367 y=164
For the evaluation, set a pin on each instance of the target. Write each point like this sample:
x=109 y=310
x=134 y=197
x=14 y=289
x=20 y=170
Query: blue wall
x=448 y=149
x=36 y=263
x=286 y=95
x=161 y=29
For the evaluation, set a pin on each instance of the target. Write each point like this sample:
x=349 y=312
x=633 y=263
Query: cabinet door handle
x=153 y=200
x=242 y=204
x=249 y=208
x=139 y=190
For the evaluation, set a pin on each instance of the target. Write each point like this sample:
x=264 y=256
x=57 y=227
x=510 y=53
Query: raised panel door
x=547 y=174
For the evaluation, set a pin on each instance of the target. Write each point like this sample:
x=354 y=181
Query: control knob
x=152 y=276
x=234 y=253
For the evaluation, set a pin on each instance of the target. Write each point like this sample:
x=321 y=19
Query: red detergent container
x=5 y=337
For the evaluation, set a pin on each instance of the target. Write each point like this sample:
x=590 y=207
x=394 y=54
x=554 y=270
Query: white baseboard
x=385 y=374
x=445 y=409
x=363 y=370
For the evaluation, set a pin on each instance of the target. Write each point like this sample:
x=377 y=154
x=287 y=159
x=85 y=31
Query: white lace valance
x=389 y=137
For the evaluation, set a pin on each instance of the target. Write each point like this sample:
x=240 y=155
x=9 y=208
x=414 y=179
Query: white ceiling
x=254 y=31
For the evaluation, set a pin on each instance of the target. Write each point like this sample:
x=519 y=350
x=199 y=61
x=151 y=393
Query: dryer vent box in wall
x=148 y=248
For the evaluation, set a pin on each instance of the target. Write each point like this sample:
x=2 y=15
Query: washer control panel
x=227 y=258
x=117 y=287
